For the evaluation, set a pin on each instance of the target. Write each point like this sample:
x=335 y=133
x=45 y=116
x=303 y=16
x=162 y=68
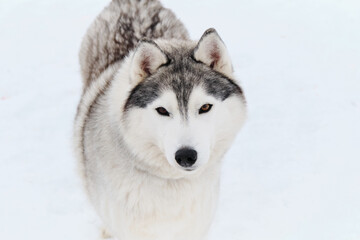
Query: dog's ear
x=148 y=57
x=211 y=50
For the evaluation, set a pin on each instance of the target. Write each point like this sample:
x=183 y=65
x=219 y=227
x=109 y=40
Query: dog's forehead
x=181 y=76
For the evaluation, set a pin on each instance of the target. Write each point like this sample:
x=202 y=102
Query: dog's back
x=118 y=29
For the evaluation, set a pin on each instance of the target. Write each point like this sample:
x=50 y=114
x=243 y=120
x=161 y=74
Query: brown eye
x=162 y=111
x=205 y=108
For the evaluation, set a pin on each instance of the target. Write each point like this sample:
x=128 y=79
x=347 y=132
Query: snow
x=292 y=173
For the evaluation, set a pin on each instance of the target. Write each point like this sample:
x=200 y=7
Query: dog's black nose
x=186 y=157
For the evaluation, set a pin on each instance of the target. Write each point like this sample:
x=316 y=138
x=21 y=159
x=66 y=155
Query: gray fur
x=118 y=29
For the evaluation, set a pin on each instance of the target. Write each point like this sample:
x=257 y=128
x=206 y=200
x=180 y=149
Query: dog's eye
x=205 y=108
x=162 y=111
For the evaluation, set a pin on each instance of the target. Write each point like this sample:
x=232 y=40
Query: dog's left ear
x=211 y=50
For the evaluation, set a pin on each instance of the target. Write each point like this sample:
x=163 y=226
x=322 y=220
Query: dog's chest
x=168 y=211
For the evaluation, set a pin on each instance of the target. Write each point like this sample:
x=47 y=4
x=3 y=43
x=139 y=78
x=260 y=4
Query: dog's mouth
x=189 y=169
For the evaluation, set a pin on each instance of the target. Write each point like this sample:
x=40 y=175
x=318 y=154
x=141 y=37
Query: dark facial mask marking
x=181 y=76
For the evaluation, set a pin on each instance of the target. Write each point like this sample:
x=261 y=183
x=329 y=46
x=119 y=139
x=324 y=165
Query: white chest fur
x=142 y=207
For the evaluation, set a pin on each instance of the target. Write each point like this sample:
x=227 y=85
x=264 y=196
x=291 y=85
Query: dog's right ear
x=148 y=57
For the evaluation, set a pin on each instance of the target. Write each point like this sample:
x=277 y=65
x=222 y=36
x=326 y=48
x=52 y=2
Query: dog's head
x=183 y=108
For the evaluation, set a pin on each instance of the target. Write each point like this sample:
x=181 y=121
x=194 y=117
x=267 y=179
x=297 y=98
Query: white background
x=292 y=174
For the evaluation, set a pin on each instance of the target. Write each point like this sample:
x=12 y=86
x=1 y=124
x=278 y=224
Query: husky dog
x=157 y=114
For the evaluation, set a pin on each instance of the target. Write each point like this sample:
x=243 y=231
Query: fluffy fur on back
x=118 y=29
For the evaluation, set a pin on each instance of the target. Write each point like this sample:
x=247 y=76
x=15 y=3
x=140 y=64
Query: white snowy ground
x=293 y=172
